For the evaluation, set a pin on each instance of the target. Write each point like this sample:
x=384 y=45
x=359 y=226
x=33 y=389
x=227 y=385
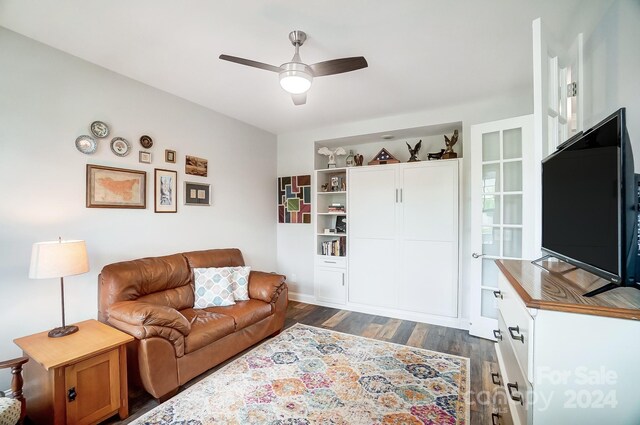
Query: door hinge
x=572 y=89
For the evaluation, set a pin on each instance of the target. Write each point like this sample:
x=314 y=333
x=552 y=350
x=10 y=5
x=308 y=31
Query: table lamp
x=59 y=259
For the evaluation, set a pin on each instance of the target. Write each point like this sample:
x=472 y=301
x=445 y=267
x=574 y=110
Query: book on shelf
x=335 y=248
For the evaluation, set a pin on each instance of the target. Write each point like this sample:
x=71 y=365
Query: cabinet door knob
x=71 y=394
x=495 y=419
x=498 y=294
x=516 y=329
x=497 y=334
x=495 y=378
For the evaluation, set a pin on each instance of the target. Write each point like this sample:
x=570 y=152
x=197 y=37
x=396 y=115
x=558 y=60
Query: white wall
x=47 y=99
x=611 y=67
x=296 y=156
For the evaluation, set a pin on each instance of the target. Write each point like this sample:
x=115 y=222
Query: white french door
x=502 y=209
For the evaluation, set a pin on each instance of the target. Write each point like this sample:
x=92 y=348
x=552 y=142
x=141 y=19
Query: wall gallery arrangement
x=109 y=187
x=294 y=199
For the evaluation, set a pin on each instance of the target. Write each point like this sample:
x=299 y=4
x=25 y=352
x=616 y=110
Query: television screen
x=582 y=199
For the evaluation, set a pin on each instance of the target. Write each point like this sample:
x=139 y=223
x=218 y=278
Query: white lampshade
x=58 y=259
x=296 y=78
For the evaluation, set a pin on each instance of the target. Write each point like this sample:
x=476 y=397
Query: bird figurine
x=449 y=153
x=414 y=152
x=332 y=155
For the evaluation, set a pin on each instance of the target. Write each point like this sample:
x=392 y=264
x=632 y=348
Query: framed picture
x=197 y=193
x=109 y=187
x=170 y=156
x=165 y=191
x=196 y=166
x=144 y=157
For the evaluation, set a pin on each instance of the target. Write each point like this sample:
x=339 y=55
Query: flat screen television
x=589 y=203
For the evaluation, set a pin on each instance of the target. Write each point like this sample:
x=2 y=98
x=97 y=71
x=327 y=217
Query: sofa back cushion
x=230 y=257
x=158 y=280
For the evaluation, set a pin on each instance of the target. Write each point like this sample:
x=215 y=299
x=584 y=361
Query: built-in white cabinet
x=331 y=281
x=403 y=237
x=330 y=274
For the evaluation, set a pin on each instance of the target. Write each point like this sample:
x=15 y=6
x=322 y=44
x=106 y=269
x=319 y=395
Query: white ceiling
x=422 y=54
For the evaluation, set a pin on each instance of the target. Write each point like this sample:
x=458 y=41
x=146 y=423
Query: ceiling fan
x=296 y=76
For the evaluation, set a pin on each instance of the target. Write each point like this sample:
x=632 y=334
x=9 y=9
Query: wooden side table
x=76 y=379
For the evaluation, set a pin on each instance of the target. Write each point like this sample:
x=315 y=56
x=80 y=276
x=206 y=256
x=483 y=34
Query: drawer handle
x=498 y=294
x=71 y=395
x=495 y=378
x=516 y=330
x=497 y=334
x=495 y=419
x=330 y=262
x=511 y=387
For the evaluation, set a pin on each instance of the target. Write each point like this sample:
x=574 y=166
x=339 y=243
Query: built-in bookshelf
x=331 y=212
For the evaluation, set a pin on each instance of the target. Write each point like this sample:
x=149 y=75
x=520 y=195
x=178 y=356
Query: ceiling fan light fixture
x=295 y=78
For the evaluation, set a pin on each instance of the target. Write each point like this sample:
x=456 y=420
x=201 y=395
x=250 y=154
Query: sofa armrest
x=136 y=313
x=266 y=286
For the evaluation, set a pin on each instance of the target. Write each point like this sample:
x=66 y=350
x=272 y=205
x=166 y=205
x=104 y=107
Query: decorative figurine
x=414 y=152
x=358 y=160
x=325 y=187
x=332 y=155
x=350 y=162
x=435 y=155
x=449 y=153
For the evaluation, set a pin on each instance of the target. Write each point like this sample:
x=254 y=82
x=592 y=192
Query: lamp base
x=63 y=331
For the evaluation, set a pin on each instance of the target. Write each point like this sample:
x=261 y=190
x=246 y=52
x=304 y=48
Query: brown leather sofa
x=152 y=300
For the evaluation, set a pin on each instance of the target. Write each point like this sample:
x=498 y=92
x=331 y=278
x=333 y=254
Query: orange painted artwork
x=109 y=187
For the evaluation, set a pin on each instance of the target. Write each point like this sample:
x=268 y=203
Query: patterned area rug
x=308 y=375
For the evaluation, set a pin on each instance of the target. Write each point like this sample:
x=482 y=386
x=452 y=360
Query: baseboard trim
x=451 y=322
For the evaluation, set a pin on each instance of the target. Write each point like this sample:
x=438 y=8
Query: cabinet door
x=372 y=236
x=96 y=384
x=330 y=285
x=429 y=238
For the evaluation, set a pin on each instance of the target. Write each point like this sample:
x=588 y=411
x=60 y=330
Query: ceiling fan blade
x=299 y=99
x=249 y=62
x=338 y=66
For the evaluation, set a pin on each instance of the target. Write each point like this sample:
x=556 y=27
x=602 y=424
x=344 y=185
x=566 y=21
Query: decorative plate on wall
x=146 y=141
x=86 y=144
x=99 y=129
x=120 y=146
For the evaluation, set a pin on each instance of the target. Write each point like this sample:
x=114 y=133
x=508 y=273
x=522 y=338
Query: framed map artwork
x=109 y=187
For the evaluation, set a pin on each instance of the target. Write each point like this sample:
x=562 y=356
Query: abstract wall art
x=294 y=199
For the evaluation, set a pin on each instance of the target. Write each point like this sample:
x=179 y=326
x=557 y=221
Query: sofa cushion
x=206 y=327
x=213 y=287
x=244 y=313
x=157 y=280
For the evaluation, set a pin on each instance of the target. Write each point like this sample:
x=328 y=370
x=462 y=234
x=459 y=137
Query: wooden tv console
x=565 y=358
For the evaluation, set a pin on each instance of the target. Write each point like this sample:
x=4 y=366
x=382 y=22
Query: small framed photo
x=165 y=191
x=197 y=193
x=109 y=187
x=196 y=166
x=169 y=156
x=144 y=157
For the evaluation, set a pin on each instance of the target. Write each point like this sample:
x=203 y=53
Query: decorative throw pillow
x=213 y=287
x=240 y=283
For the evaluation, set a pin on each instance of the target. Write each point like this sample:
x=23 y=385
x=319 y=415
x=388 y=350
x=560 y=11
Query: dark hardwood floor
x=431 y=337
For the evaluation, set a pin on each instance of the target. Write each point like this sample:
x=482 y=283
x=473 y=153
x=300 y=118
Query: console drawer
x=517 y=387
x=519 y=326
